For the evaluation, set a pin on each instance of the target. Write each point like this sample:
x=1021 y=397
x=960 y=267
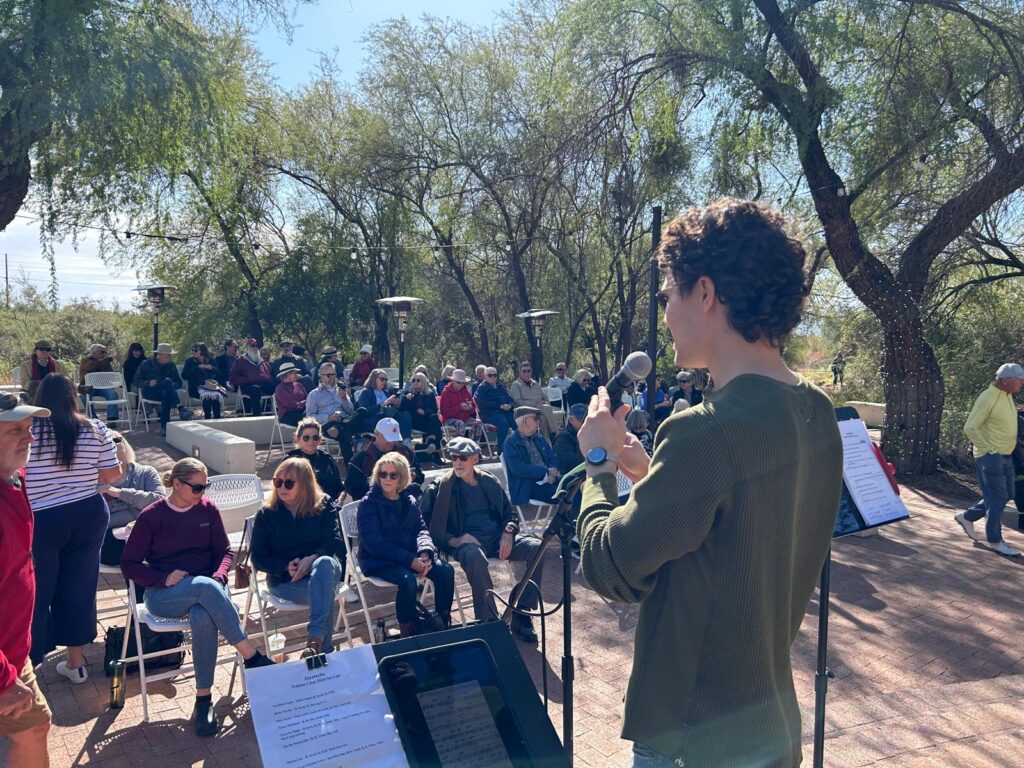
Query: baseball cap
x=366 y=348
x=1010 y=371
x=12 y=410
x=389 y=430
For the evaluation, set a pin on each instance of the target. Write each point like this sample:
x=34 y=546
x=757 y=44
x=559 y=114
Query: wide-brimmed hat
x=12 y=410
x=463 y=446
x=287 y=368
x=44 y=343
x=366 y=348
x=460 y=376
x=389 y=430
x=211 y=384
x=527 y=410
x=328 y=351
x=164 y=349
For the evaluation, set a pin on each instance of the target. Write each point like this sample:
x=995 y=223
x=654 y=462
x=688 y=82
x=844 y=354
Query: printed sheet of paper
x=865 y=478
x=337 y=715
x=471 y=736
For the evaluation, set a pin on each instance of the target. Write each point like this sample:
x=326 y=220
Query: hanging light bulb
x=354 y=255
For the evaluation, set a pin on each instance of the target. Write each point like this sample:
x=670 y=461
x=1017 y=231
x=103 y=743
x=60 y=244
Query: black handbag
x=427 y=621
x=151 y=642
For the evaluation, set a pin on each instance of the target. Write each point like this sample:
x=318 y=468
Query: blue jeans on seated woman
x=645 y=757
x=443 y=576
x=319 y=591
x=209 y=610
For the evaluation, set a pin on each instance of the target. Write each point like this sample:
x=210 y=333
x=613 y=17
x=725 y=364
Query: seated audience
x=680 y=405
x=560 y=380
x=138 y=486
x=386 y=439
x=567 y=445
x=479 y=377
x=394 y=544
x=639 y=425
x=685 y=390
x=204 y=381
x=226 y=361
x=297 y=543
x=458 y=408
x=250 y=375
x=471 y=519
x=288 y=355
x=331 y=406
x=38 y=366
x=179 y=552
x=307 y=440
x=581 y=389
x=290 y=395
x=495 y=405
x=97 y=361
x=158 y=379
x=662 y=406
x=420 y=402
x=136 y=354
x=526 y=391
x=446 y=377
x=530 y=463
x=380 y=402
x=329 y=355
x=363 y=367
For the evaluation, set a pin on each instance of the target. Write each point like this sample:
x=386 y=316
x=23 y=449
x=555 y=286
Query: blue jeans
x=209 y=609
x=504 y=422
x=318 y=591
x=443 y=576
x=113 y=413
x=996 y=478
x=645 y=757
x=167 y=394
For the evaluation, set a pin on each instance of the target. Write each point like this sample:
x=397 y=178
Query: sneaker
x=1002 y=548
x=351 y=596
x=80 y=675
x=967 y=525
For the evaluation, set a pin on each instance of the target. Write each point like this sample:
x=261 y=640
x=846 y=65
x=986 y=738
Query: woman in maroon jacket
x=179 y=552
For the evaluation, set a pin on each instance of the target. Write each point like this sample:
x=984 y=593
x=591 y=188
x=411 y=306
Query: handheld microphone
x=635 y=369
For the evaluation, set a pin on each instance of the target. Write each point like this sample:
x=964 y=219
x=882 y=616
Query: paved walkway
x=925 y=641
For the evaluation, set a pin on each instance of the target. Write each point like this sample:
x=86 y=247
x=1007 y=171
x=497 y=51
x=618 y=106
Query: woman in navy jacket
x=395 y=545
x=378 y=403
x=420 y=402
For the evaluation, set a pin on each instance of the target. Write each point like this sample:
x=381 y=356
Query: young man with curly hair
x=724 y=534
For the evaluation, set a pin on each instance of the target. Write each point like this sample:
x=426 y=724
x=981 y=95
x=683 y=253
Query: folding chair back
x=108 y=380
x=236 y=496
x=545 y=509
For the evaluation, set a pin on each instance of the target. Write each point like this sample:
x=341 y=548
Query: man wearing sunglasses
x=333 y=409
x=35 y=369
x=471 y=518
x=24 y=714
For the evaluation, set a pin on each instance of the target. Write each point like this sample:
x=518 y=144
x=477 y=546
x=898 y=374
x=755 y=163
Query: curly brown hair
x=758 y=269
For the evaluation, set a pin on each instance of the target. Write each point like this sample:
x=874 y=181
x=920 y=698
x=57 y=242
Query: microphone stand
x=563 y=526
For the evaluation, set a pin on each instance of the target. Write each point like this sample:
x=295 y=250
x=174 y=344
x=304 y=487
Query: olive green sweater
x=721 y=544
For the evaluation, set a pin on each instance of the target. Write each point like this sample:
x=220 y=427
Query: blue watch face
x=596 y=456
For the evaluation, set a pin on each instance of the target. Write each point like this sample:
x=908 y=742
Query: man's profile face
x=684 y=320
x=528 y=425
x=99 y=354
x=464 y=466
x=232 y=349
x=1014 y=385
x=15 y=443
x=382 y=442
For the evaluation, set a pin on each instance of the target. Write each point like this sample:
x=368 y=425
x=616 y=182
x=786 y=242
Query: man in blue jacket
x=495 y=405
x=530 y=462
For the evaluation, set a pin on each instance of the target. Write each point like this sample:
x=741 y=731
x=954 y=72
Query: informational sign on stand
x=868 y=498
x=335 y=715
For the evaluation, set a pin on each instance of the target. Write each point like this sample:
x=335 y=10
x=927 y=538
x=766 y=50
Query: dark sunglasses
x=8 y=402
x=457 y=457
x=307 y=438
x=288 y=484
x=383 y=378
x=196 y=487
x=585 y=380
x=117 y=439
x=389 y=475
x=492 y=375
x=328 y=375
x=44 y=349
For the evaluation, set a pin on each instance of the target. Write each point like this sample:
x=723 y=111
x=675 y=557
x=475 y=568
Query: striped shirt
x=50 y=484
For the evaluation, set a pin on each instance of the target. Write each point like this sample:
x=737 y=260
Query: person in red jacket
x=290 y=395
x=458 y=408
x=250 y=374
x=363 y=367
x=24 y=714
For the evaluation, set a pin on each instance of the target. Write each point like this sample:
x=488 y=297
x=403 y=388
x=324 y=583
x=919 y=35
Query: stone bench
x=221 y=451
x=872 y=414
x=258 y=429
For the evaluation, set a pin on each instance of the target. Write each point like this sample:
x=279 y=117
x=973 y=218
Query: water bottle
x=117 y=685
x=381 y=633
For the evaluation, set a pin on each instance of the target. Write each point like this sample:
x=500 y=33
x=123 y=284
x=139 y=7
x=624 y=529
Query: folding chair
x=277 y=432
x=544 y=509
x=554 y=395
x=142 y=410
x=237 y=497
x=108 y=380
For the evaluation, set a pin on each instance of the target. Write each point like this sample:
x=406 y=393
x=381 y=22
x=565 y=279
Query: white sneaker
x=80 y=675
x=967 y=525
x=351 y=596
x=1003 y=548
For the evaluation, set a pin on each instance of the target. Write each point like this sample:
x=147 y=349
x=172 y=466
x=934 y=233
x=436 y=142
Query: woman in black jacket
x=198 y=369
x=296 y=541
x=136 y=354
x=421 y=402
x=307 y=442
x=580 y=391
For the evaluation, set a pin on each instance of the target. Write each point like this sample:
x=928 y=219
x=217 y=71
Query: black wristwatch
x=596 y=456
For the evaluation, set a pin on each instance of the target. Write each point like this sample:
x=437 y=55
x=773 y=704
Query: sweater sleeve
x=136 y=550
x=149 y=489
x=668 y=515
x=220 y=547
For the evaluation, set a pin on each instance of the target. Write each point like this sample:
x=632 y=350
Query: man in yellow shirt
x=992 y=428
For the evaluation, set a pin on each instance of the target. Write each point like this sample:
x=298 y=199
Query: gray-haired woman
x=137 y=488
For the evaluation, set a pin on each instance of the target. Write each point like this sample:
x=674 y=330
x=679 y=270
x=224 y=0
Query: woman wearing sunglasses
x=296 y=541
x=179 y=552
x=395 y=545
x=307 y=446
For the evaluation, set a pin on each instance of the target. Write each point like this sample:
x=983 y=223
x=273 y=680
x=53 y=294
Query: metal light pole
x=155 y=297
x=401 y=308
x=652 y=312
x=537 y=318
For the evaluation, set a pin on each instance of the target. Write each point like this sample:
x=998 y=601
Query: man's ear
x=705 y=287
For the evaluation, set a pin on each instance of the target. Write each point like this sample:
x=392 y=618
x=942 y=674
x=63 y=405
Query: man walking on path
x=992 y=428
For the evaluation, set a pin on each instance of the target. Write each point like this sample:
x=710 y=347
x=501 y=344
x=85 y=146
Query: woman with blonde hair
x=395 y=545
x=581 y=389
x=296 y=541
x=179 y=552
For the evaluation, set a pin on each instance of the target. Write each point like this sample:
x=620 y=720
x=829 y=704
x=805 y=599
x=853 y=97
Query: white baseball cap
x=1010 y=371
x=12 y=410
x=389 y=430
x=366 y=348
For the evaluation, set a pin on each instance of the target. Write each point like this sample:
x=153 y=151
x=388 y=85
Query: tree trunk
x=914 y=395
x=15 y=175
x=253 y=324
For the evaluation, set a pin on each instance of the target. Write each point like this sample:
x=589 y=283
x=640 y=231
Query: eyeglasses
x=389 y=475
x=585 y=381
x=288 y=484
x=560 y=370
x=311 y=438
x=456 y=457
x=383 y=378
x=117 y=439
x=492 y=375
x=44 y=349
x=328 y=375
x=8 y=402
x=196 y=487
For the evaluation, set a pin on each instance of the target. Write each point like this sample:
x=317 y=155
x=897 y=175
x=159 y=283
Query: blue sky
x=334 y=27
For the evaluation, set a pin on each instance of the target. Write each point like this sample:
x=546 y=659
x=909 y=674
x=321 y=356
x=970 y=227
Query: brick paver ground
x=925 y=641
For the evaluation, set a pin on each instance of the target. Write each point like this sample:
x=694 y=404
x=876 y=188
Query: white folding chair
x=237 y=497
x=554 y=395
x=544 y=509
x=108 y=380
x=142 y=409
x=277 y=432
x=16 y=377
